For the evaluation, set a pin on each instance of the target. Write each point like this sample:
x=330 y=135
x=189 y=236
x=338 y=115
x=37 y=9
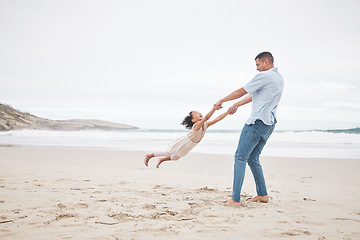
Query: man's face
x=261 y=65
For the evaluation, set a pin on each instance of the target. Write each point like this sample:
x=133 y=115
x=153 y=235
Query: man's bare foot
x=233 y=203
x=147 y=158
x=263 y=199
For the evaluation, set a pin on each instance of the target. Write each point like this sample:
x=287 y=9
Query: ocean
x=313 y=143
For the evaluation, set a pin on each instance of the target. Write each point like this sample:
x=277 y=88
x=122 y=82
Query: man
x=264 y=91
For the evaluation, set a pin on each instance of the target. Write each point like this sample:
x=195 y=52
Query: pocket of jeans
x=256 y=135
x=262 y=132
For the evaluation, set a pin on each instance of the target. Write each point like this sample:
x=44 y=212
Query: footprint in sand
x=122 y=216
x=192 y=204
x=6 y=221
x=163 y=214
x=149 y=206
x=346 y=219
x=65 y=215
x=308 y=199
x=16 y=211
x=60 y=205
x=82 y=205
x=187 y=198
x=296 y=233
x=207 y=189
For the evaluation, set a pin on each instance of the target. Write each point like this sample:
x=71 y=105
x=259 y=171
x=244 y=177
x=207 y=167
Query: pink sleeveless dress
x=182 y=146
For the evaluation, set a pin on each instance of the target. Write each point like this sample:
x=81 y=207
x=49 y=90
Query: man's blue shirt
x=266 y=90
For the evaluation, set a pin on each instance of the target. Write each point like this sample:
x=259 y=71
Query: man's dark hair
x=187 y=121
x=265 y=55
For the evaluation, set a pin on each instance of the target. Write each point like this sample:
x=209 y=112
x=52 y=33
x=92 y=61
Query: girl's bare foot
x=263 y=199
x=147 y=158
x=163 y=160
x=159 y=162
x=233 y=203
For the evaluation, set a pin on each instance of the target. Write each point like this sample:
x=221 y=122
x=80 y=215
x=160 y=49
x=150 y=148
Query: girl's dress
x=182 y=146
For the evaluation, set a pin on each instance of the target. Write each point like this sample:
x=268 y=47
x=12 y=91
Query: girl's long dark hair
x=187 y=121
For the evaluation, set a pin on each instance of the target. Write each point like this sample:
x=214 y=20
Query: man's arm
x=232 y=96
x=242 y=102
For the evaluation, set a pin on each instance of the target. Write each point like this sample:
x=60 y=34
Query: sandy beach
x=54 y=193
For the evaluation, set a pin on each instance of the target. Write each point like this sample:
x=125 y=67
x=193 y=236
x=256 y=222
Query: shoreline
x=145 y=151
x=69 y=193
x=304 y=145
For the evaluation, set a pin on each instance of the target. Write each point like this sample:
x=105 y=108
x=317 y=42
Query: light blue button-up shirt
x=266 y=90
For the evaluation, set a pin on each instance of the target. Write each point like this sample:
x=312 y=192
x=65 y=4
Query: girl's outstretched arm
x=199 y=124
x=219 y=118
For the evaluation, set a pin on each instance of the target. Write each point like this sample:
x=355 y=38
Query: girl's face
x=196 y=116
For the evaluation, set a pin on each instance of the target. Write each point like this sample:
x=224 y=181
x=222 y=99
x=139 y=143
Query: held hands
x=231 y=109
x=217 y=105
x=215 y=108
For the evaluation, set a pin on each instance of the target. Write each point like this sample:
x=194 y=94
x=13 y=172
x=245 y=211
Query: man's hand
x=218 y=105
x=232 y=109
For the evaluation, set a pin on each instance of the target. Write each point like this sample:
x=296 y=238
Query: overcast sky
x=148 y=63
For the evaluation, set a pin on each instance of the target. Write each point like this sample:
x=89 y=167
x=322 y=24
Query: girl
x=182 y=146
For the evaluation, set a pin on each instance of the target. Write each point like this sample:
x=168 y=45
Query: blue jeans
x=252 y=141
